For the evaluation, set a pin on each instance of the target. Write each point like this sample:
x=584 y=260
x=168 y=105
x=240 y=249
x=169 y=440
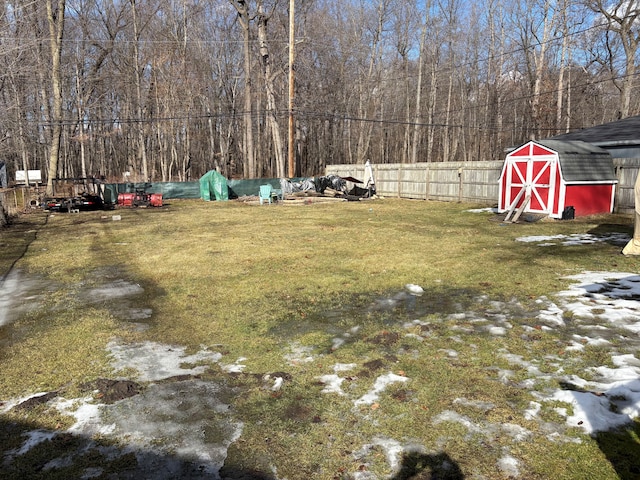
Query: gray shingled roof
x=620 y=132
x=581 y=161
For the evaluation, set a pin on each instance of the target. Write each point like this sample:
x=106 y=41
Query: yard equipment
x=84 y=201
x=140 y=198
x=77 y=194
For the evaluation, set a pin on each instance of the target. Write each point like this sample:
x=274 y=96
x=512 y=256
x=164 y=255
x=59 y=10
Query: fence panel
x=475 y=182
x=626 y=171
x=450 y=181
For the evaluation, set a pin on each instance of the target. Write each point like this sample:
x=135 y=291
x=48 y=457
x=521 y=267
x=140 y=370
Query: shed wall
x=589 y=199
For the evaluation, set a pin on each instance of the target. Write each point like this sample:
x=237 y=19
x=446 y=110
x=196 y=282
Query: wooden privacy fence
x=474 y=182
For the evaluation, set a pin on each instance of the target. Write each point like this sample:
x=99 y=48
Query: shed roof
x=620 y=132
x=582 y=162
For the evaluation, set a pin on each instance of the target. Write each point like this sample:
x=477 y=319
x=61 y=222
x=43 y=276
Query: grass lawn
x=332 y=369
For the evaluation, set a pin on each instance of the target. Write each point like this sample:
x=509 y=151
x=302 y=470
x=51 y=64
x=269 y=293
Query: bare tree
x=622 y=17
x=245 y=18
x=268 y=75
x=55 y=18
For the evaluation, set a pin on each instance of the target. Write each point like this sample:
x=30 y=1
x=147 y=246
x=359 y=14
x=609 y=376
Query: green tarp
x=167 y=189
x=213 y=185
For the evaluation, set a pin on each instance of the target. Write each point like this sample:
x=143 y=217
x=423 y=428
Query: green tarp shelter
x=213 y=186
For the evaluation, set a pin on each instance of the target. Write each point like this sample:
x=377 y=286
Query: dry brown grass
x=254 y=280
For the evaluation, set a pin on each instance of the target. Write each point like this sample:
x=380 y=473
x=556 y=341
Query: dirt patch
x=373 y=365
x=300 y=412
x=386 y=339
x=34 y=402
x=110 y=391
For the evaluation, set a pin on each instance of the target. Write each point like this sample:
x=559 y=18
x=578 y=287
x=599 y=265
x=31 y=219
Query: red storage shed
x=548 y=176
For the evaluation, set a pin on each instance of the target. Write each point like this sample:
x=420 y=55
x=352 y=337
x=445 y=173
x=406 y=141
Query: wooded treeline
x=169 y=89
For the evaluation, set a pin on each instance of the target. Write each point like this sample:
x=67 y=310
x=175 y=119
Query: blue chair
x=265 y=193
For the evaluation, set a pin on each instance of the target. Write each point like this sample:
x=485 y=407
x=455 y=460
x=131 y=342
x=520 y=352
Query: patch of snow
x=393 y=450
x=539 y=238
x=509 y=466
x=236 y=367
x=482 y=406
x=277 y=384
x=591 y=412
x=483 y=210
x=516 y=432
x=16 y=296
x=115 y=289
x=299 y=354
x=91 y=473
x=332 y=384
x=34 y=437
x=498 y=331
x=380 y=385
x=519 y=360
x=605 y=295
x=552 y=315
x=87 y=415
x=174 y=418
x=455 y=417
x=576 y=239
x=344 y=367
x=574 y=347
x=613 y=399
x=533 y=410
x=139 y=313
x=155 y=361
x=450 y=353
x=413 y=289
x=415 y=336
x=8 y=405
x=592 y=342
x=504 y=376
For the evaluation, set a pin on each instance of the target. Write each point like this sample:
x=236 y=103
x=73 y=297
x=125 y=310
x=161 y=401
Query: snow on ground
x=168 y=426
x=483 y=210
x=576 y=239
x=380 y=385
x=155 y=361
x=608 y=397
x=177 y=416
x=17 y=295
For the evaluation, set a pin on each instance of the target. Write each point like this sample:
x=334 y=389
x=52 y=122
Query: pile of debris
x=329 y=185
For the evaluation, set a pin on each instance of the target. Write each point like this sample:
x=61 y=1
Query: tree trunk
x=249 y=166
x=55 y=19
x=418 y=97
x=540 y=67
x=142 y=151
x=272 y=121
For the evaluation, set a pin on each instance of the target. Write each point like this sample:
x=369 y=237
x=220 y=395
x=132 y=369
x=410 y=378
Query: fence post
x=426 y=182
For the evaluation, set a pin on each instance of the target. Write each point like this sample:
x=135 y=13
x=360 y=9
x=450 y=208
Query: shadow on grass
x=27 y=232
x=622 y=449
x=392 y=308
x=621 y=446
x=419 y=466
x=32 y=453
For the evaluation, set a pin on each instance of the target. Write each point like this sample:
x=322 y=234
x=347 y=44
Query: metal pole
x=291 y=154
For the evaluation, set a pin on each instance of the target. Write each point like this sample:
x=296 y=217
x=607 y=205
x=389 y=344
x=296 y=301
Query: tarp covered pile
x=213 y=186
